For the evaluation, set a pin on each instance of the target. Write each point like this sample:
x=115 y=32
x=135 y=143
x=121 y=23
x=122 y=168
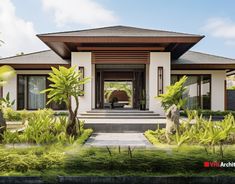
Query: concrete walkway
x=118 y=139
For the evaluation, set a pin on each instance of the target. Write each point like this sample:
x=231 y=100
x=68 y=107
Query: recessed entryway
x=120 y=87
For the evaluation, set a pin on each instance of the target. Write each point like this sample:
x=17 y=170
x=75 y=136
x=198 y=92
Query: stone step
x=119 y=117
x=118 y=111
x=123 y=128
x=123 y=125
x=117 y=114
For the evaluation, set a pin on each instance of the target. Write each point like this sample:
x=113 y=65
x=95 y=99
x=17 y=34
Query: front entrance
x=120 y=87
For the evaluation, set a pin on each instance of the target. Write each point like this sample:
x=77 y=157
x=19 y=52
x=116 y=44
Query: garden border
x=122 y=179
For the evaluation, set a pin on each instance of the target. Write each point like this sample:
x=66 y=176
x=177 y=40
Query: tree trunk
x=3 y=125
x=71 y=128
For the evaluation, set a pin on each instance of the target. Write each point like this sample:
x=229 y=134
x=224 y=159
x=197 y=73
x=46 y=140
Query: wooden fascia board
x=76 y=39
x=202 y=66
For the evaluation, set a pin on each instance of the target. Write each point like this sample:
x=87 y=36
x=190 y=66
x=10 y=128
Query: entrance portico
x=140 y=57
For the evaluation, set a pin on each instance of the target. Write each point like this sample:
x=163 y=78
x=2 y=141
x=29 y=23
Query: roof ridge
x=31 y=53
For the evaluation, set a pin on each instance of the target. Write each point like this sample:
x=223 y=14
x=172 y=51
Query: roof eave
x=59 y=43
x=206 y=66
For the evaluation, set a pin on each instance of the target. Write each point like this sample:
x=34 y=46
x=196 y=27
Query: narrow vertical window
x=81 y=69
x=21 y=92
x=160 y=80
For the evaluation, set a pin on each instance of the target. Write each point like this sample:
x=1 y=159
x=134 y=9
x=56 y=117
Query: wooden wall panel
x=120 y=57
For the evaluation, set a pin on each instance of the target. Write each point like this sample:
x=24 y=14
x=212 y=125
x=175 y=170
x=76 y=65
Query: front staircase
x=117 y=121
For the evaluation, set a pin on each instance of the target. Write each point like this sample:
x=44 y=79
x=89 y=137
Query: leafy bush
x=11 y=115
x=157 y=136
x=85 y=135
x=201 y=132
x=23 y=160
x=10 y=137
x=174 y=94
x=231 y=88
x=6 y=102
x=62 y=113
x=43 y=128
x=208 y=113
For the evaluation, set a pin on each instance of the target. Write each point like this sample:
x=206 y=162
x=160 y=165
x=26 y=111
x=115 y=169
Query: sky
x=21 y=20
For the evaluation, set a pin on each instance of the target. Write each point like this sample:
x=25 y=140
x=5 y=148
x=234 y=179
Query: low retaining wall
x=147 y=180
x=123 y=180
x=21 y=180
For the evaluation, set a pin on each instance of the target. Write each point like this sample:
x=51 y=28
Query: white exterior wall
x=217 y=85
x=11 y=85
x=147 y=86
x=84 y=59
x=158 y=59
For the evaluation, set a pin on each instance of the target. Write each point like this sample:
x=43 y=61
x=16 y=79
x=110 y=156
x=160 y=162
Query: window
x=160 y=80
x=36 y=100
x=29 y=96
x=81 y=69
x=198 y=90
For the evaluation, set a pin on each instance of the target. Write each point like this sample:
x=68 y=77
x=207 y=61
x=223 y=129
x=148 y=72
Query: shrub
x=23 y=160
x=203 y=132
x=157 y=136
x=174 y=94
x=10 y=137
x=6 y=102
x=44 y=128
x=208 y=113
x=11 y=115
x=85 y=135
x=61 y=113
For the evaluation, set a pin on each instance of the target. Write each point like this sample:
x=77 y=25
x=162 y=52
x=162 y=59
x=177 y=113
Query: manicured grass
x=51 y=161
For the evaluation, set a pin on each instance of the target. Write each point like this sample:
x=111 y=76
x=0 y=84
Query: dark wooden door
x=138 y=88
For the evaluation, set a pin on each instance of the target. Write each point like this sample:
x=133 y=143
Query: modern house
x=142 y=60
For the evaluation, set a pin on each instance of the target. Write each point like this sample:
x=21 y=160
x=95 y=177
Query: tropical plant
x=11 y=115
x=42 y=128
x=6 y=72
x=174 y=95
x=10 y=137
x=202 y=132
x=65 y=87
x=6 y=102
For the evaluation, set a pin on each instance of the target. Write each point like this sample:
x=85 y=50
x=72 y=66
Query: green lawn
x=53 y=160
